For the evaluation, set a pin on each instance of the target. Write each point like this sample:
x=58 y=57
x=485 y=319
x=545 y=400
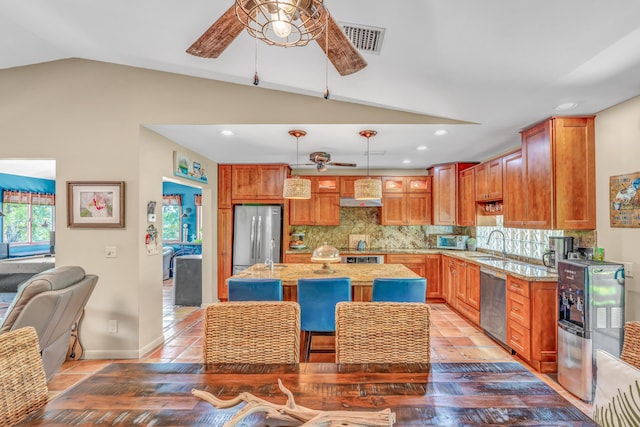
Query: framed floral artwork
x=95 y=204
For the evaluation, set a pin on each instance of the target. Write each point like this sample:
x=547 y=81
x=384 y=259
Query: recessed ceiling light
x=226 y=132
x=406 y=161
x=441 y=132
x=566 y=106
x=422 y=147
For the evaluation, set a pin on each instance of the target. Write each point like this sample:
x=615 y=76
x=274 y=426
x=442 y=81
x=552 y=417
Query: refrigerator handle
x=259 y=238
x=253 y=239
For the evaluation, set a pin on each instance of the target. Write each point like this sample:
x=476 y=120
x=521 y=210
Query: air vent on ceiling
x=364 y=38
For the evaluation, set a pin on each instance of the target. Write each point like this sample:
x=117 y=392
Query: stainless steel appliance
x=257 y=234
x=559 y=248
x=362 y=259
x=493 y=304
x=451 y=241
x=591 y=317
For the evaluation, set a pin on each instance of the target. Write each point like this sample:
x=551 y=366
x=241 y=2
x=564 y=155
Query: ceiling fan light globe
x=281 y=28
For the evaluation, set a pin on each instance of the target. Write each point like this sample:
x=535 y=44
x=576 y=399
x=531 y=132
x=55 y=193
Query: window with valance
x=28 y=216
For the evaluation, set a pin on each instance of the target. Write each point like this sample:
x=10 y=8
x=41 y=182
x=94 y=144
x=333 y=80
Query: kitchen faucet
x=269 y=261
x=504 y=242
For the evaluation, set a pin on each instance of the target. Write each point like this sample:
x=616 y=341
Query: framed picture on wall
x=95 y=204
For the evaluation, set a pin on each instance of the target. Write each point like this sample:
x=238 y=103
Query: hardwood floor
x=453 y=339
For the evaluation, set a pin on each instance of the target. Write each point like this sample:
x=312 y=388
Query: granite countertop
x=521 y=269
x=360 y=274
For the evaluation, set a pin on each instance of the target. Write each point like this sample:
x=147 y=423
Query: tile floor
x=453 y=339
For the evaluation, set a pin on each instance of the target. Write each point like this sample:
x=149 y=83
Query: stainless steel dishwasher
x=493 y=304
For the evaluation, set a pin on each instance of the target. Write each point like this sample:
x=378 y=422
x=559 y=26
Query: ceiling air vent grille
x=365 y=39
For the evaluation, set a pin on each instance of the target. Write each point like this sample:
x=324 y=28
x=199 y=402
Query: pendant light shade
x=368 y=189
x=296 y=187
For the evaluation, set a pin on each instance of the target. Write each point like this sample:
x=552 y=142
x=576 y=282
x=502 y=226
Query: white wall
x=89 y=117
x=618 y=153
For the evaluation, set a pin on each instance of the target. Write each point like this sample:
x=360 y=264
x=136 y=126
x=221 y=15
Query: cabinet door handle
x=516 y=338
x=516 y=308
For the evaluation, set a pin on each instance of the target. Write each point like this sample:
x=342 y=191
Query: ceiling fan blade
x=342 y=53
x=350 y=165
x=218 y=37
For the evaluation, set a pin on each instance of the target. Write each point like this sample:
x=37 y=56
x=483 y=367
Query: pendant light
x=296 y=187
x=368 y=189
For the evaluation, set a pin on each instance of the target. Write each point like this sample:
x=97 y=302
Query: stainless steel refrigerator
x=591 y=317
x=257 y=235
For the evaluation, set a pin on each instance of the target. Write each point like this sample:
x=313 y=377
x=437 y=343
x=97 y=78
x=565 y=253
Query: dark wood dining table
x=442 y=394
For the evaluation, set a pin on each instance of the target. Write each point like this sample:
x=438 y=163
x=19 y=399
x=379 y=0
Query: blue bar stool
x=399 y=290
x=255 y=289
x=317 y=299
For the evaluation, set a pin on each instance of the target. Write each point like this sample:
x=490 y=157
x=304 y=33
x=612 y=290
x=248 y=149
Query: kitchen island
x=361 y=275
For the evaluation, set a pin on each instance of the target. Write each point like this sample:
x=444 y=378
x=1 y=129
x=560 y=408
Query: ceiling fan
x=341 y=52
x=323 y=159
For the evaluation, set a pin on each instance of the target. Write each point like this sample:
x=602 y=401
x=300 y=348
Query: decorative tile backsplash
x=367 y=221
x=521 y=243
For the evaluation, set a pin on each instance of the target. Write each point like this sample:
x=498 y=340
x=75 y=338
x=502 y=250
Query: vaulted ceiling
x=494 y=65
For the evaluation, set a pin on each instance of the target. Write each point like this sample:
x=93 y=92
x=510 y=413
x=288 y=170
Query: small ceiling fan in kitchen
x=322 y=159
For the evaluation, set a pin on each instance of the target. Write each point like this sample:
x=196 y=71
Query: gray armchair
x=52 y=302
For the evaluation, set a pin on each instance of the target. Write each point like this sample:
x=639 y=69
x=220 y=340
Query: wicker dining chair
x=252 y=332
x=23 y=384
x=631 y=344
x=382 y=332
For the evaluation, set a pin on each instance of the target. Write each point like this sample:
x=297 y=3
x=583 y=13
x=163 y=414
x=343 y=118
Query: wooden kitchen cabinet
x=532 y=316
x=414 y=262
x=467 y=203
x=424 y=265
x=466 y=285
x=445 y=192
x=304 y=258
x=406 y=201
x=262 y=182
x=489 y=180
x=347 y=184
x=558 y=168
x=224 y=187
x=433 y=275
x=406 y=184
x=225 y=250
x=323 y=208
x=514 y=191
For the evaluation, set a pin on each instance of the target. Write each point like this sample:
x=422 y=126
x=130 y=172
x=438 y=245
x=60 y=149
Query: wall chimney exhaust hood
x=350 y=202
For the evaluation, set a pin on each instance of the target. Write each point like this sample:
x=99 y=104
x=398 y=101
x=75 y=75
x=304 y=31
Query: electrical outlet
x=113 y=326
x=110 y=252
x=628 y=269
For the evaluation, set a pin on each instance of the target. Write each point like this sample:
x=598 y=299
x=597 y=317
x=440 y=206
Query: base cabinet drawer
x=519 y=339
x=468 y=312
x=519 y=309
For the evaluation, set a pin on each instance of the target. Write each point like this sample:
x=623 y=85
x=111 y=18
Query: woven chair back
x=253 y=332
x=23 y=384
x=631 y=344
x=399 y=290
x=382 y=332
x=255 y=289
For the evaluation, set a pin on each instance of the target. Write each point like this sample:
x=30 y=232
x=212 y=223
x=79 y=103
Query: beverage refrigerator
x=591 y=317
x=257 y=235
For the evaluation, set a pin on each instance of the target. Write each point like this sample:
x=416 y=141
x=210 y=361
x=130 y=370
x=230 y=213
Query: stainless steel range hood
x=350 y=202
